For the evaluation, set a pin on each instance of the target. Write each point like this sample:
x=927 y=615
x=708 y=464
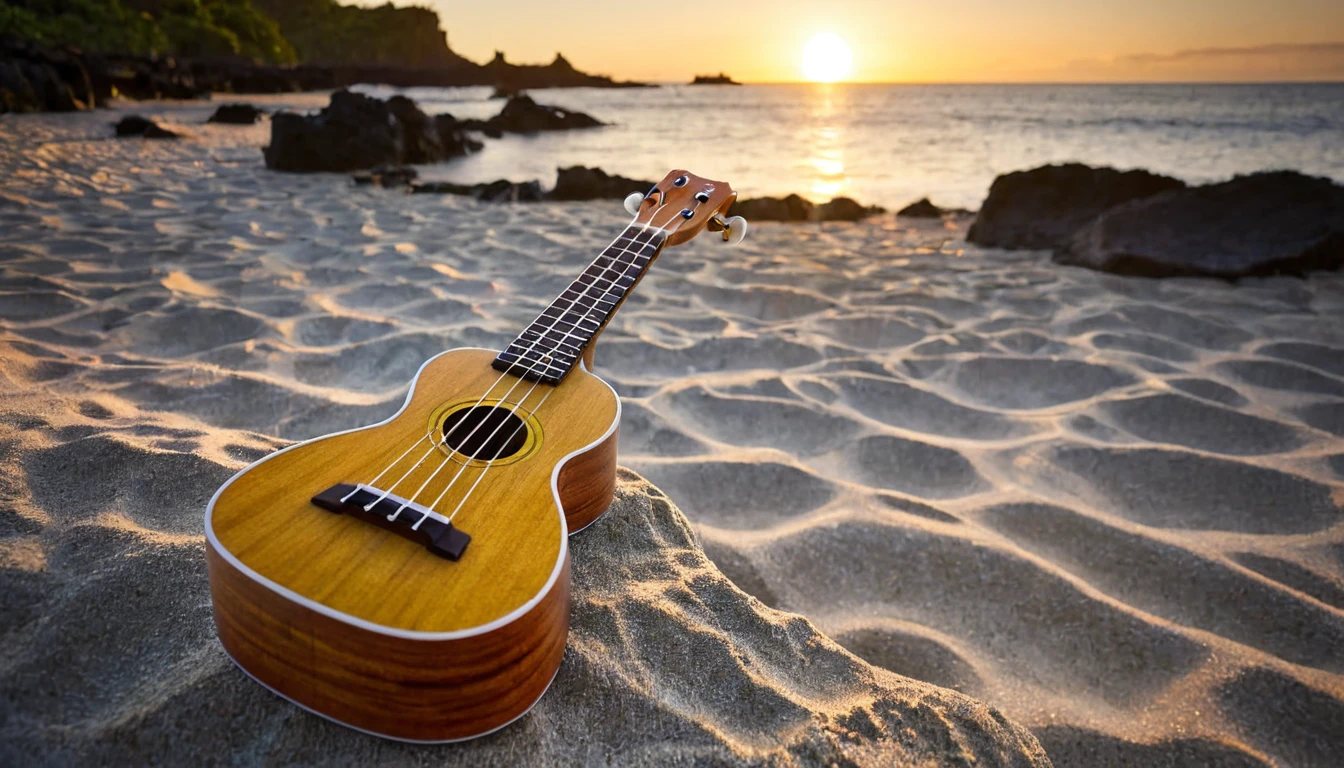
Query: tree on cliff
x=275 y=31
x=327 y=32
x=204 y=28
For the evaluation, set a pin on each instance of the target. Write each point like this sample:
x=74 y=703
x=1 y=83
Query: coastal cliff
x=153 y=49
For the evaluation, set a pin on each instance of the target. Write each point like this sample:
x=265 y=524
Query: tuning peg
x=632 y=202
x=733 y=229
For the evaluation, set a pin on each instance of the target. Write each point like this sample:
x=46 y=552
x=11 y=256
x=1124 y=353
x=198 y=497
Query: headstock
x=685 y=205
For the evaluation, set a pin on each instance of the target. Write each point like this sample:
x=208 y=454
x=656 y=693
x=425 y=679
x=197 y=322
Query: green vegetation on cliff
x=274 y=31
x=325 y=31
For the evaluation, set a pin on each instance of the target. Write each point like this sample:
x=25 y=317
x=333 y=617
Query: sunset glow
x=827 y=59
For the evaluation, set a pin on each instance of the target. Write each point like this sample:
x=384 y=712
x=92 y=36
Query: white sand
x=1109 y=507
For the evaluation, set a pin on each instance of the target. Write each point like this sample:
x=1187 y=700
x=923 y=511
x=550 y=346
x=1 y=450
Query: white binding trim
x=338 y=721
x=408 y=634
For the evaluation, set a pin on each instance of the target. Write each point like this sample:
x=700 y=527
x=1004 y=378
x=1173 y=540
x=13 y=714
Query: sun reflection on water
x=826 y=161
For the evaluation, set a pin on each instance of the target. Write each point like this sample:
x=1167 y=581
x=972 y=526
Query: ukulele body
x=365 y=623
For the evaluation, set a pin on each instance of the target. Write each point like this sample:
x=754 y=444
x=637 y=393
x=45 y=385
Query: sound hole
x=486 y=432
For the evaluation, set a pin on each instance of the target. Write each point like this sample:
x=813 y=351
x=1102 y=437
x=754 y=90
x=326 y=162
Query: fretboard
x=553 y=344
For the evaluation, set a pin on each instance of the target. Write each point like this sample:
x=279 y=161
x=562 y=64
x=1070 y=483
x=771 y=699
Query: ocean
x=891 y=144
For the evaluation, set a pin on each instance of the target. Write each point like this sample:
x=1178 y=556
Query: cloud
x=1273 y=62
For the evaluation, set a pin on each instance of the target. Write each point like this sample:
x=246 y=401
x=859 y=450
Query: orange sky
x=916 y=41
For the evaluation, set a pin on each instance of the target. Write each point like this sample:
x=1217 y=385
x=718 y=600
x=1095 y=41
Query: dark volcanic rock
x=452 y=140
x=580 y=183
x=236 y=114
x=501 y=191
x=719 y=79
x=388 y=176
x=356 y=131
x=156 y=131
x=845 y=209
x=1262 y=224
x=523 y=115
x=921 y=209
x=796 y=208
x=135 y=125
x=38 y=79
x=791 y=208
x=419 y=132
x=558 y=74
x=1043 y=207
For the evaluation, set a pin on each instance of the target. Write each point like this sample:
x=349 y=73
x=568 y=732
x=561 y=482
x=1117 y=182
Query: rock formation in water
x=921 y=209
x=1043 y=207
x=498 y=191
x=1261 y=224
x=719 y=79
x=236 y=114
x=845 y=209
x=791 y=208
x=355 y=132
x=581 y=183
x=523 y=115
x=135 y=125
x=796 y=208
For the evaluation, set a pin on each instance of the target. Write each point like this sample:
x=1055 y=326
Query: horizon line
x=1006 y=82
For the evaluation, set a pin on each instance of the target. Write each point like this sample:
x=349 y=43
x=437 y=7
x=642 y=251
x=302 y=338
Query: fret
x=559 y=344
x=606 y=298
x=556 y=335
x=581 y=324
x=537 y=357
x=555 y=310
x=554 y=343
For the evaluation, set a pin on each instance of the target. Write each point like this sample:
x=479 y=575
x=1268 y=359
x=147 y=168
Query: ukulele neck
x=549 y=348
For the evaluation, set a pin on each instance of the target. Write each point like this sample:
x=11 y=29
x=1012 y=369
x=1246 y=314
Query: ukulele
x=410 y=579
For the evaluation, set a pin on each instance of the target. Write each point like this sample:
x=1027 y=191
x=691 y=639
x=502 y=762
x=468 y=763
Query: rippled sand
x=1108 y=507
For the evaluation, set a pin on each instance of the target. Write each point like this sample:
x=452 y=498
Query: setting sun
x=826 y=58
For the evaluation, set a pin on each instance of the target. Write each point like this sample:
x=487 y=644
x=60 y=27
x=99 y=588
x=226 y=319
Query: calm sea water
x=890 y=144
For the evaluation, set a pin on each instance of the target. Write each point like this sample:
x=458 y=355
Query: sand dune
x=1110 y=508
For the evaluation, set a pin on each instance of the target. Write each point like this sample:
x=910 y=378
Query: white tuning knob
x=632 y=203
x=734 y=230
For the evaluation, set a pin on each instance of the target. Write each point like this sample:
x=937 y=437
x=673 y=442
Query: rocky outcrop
x=453 y=141
x=921 y=209
x=38 y=79
x=1261 y=224
x=500 y=191
x=719 y=79
x=845 y=209
x=581 y=183
x=355 y=131
x=387 y=176
x=791 y=208
x=796 y=208
x=419 y=132
x=135 y=125
x=1044 y=207
x=560 y=73
x=236 y=114
x=523 y=115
